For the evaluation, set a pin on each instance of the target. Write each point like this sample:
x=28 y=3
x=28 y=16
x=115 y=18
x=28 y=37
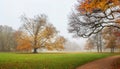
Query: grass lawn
x=47 y=60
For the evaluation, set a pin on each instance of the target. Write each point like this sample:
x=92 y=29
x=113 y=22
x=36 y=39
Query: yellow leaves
x=26 y=41
x=60 y=42
x=49 y=48
x=57 y=44
x=48 y=32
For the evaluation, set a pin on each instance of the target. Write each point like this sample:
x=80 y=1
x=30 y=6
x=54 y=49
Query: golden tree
x=56 y=43
x=35 y=33
x=59 y=43
x=33 y=27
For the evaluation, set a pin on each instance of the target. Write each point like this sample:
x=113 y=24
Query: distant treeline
x=7 y=40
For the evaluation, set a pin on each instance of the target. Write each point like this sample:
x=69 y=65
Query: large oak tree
x=91 y=16
x=37 y=33
x=37 y=30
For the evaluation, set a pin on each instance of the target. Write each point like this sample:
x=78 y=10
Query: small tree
x=89 y=44
x=111 y=40
x=97 y=41
x=60 y=42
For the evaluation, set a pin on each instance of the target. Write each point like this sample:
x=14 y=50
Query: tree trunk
x=35 y=44
x=100 y=42
x=98 y=48
x=35 y=50
x=119 y=49
x=112 y=50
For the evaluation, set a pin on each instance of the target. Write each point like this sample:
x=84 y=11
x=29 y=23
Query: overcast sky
x=56 y=10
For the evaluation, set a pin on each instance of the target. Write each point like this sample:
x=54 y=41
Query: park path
x=105 y=63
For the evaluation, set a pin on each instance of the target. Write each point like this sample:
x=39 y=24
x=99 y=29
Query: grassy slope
x=46 y=61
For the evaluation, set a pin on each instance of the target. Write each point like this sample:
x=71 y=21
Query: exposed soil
x=105 y=63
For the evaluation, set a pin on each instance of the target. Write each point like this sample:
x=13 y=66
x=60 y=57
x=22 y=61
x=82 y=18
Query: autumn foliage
x=111 y=38
x=37 y=33
x=23 y=41
x=94 y=5
x=92 y=16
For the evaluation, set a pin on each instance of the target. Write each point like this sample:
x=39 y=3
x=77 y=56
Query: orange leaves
x=111 y=36
x=117 y=21
x=24 y=45
x=23 y=41
x=57 y=44
x=115 y=2
x=102 y=5
x=60 y=42
x=91 y=5
x=48 y=32
x=85 y=6
x=117 y=34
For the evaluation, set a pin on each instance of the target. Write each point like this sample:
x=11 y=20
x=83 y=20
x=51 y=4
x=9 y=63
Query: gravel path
x=105 y=63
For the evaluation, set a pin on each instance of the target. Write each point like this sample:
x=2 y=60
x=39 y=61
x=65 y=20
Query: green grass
x=47 y=60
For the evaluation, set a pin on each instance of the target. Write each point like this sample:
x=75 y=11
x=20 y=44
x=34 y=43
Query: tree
x=34 y=26
x=59 y=43
x=7 y=40
x=92 y=16
x=97 y=41
x=89 y=44
x=111 y=38
x=36 y=32
x=117 y=34
x=56 y=44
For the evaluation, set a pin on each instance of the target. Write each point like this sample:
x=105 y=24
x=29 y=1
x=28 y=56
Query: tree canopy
x=91 y=16
x=36 y=33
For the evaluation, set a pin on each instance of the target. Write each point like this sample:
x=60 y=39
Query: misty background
x=57 y=11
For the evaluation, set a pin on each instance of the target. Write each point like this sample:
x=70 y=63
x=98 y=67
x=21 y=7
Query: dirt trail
x=105 y=63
